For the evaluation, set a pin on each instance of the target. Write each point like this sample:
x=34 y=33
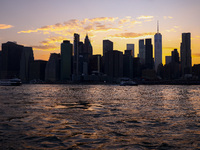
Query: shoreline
x=166 y=82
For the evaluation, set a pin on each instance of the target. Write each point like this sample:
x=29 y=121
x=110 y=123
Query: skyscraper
x=37 y=70
x=87 y=54
x=76 y=55
x=158 y=48
x=175 y=56
x=186 y=63
x=88 y=47
x=52 y=71
x=11 y=57
x=107 y=46
x=66 y=61
x=26 y=59
x=142 y=51
x=131 y=47
x=114 y=64
x=148 y=54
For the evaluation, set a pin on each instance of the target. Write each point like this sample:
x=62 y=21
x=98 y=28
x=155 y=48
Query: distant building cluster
x=76 y=62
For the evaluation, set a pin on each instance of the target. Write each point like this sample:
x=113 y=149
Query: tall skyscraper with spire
x=158 y=48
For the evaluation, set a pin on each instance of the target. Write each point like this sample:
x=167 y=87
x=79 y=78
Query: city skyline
x=117 y=21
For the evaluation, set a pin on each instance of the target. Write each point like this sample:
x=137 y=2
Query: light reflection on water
x=99 y=117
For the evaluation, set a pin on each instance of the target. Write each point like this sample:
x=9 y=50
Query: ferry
x=10 y=82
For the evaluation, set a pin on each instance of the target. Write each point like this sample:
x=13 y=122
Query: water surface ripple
x=100 y=117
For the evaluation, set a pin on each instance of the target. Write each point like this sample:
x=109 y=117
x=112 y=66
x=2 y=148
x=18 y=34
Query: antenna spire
x=157 y=26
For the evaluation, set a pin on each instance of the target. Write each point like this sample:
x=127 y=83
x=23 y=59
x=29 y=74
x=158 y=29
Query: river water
x=100 y=117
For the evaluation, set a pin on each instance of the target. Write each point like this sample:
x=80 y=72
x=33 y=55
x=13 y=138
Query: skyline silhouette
x=120 y=21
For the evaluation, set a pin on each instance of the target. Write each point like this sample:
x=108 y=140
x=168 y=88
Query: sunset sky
x=44 y=24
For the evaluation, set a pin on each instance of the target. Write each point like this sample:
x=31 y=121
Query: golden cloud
x=145 y=17
x=95 y=24
x=99 y=19
x=53 y=40
x=5 y=26
x=133 y=35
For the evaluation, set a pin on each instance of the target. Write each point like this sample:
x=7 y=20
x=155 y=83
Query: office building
x=87 y=54
x=186 y=62
x=37 y=70
x=107 y=46
x=148 y=54
x=175 y=56
x=76 y=55
x=158 y=48
x=52 y=71
x=129 y=53
x=26 y=59
x=168 y=59
x=114 y=64
x=95 y=64
x=132 y=48
x=88 y=46
x=11 y=57
x=142 y=51
x=66 y=61
x=0 y=63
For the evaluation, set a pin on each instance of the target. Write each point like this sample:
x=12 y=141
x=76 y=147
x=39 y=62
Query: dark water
x=99 y=117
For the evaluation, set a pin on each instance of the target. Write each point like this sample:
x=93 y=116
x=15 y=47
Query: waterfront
x=100 y=117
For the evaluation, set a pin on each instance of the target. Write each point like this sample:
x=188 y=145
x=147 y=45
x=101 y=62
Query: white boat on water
x=10 y=82
x=127 y=82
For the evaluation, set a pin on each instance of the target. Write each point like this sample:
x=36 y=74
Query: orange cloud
x=5 y=26
x=132 y=35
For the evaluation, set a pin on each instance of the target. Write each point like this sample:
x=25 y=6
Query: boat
x=128 y=83
x=10 y=82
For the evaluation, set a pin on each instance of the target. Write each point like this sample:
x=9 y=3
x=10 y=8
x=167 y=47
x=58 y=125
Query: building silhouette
x=37 y=70
x=88 y=46
x=66 y=61
x=107 y=46
x=52 y=71
x=0 y=63
x=114 y=64
x=168 y=59
x=128 y=64
x=95 y=64
x=175 y=56
x=26 y=59
x=87 y=54
x=158 y=48
x=76 y=55
x=11 y=57
x=148 y=54
x=142 y=51
x=186 y=62
x=132 y=48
